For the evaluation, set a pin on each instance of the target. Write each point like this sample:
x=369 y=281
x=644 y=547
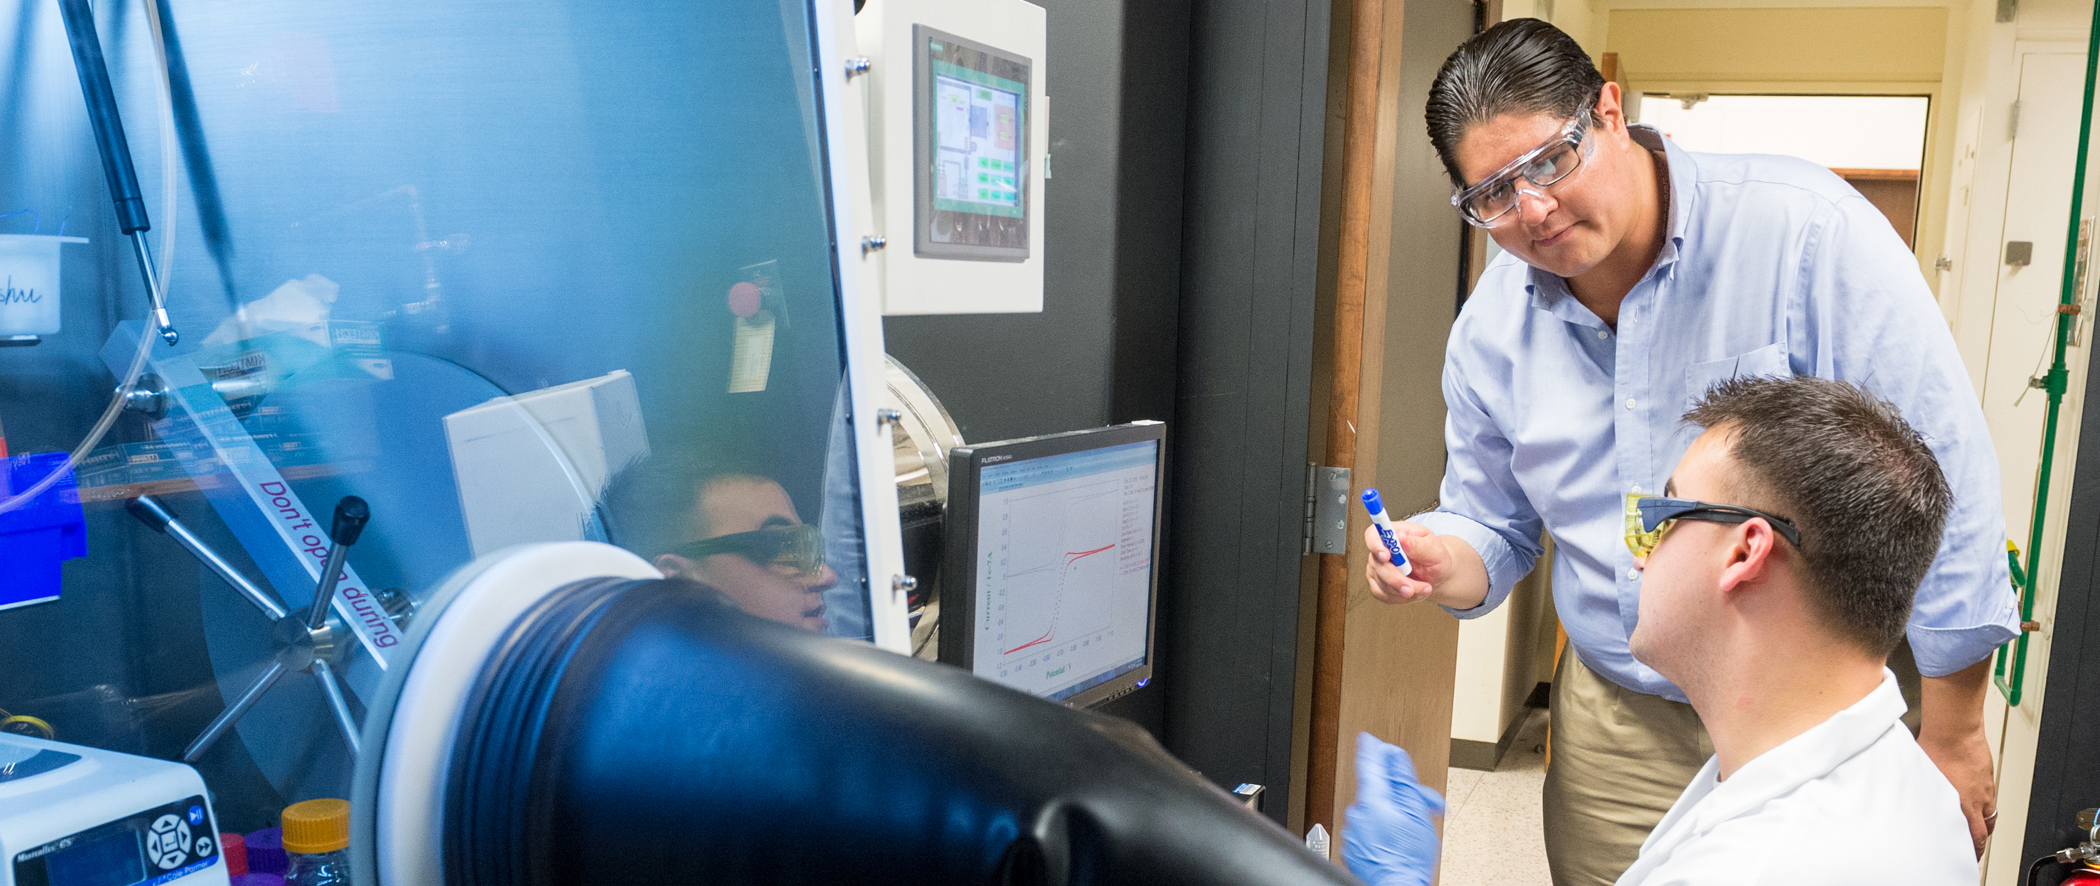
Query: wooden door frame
x=1387 y=670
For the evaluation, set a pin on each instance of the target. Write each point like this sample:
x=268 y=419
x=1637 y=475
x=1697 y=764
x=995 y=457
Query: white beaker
x=29 y=283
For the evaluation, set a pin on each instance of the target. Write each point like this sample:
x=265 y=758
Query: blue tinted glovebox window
x=516 y=271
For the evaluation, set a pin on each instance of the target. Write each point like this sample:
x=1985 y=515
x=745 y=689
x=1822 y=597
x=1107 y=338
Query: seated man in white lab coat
x=1780 y=565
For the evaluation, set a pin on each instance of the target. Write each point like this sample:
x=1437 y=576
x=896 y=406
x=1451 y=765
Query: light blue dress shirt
x=1772 y=266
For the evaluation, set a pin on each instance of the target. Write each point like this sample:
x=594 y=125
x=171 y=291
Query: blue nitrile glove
x=1387 y=838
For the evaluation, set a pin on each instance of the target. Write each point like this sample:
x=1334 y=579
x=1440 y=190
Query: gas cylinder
x=2083 y=875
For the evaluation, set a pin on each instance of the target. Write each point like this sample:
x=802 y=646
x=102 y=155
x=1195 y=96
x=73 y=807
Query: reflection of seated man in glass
x=725 y=526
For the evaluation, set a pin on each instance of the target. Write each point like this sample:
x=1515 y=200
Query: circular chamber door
x=382 y=438
x=922 y=437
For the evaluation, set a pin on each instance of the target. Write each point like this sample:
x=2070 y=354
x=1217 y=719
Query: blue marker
x=1385 y=530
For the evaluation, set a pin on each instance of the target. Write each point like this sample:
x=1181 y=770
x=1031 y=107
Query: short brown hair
x=1859 y=482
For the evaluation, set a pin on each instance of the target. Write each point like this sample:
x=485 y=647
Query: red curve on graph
x=1071 y=557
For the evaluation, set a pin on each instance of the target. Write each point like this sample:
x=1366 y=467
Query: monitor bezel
x=923 y=243
x=959 y=569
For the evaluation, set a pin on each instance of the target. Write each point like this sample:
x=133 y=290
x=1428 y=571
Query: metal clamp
x=148 y=397
x=870 y=244
x=857 y=66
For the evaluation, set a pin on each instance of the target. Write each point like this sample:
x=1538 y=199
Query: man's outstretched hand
x=1387 y=836
x=1427 y=560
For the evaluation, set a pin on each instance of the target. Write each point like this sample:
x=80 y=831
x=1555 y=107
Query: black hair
x=1521 y=66
x=653 y=504
x=1861 y=485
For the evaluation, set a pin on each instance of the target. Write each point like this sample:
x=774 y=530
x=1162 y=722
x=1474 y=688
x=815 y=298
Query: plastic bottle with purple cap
x=264 y=858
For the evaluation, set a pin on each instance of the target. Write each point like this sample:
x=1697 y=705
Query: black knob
x=351 y=514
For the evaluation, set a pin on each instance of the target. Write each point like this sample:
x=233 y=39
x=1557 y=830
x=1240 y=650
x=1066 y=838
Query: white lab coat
x=1853 y=800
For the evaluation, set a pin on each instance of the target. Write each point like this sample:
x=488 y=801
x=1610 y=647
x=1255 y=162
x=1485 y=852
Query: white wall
x=1476 y=698
x=1498 y=658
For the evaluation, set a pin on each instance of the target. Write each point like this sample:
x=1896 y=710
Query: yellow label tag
x=751 y=360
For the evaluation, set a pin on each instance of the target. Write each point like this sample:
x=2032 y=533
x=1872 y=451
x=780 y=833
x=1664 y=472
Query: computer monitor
x=1051 y=579
x=970 y=144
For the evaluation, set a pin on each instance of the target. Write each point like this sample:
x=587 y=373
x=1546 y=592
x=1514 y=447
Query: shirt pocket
x=1769 y=361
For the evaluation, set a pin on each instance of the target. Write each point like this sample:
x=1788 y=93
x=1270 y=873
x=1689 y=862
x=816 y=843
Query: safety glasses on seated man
x=1487 y=203
x=799 y=547
x=1648 y=517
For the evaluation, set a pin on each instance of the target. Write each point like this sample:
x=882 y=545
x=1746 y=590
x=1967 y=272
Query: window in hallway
x=1874 y=142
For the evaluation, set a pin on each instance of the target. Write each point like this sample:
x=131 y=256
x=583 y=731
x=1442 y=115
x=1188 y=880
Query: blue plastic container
x=37 y=538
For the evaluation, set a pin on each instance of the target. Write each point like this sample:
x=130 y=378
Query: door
x=2030 y=277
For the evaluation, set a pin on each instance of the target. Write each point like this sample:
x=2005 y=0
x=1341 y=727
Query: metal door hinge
x=1326 y=510
x=1943 y=264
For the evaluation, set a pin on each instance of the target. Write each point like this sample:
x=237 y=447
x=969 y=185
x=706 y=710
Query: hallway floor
x=1494 y=831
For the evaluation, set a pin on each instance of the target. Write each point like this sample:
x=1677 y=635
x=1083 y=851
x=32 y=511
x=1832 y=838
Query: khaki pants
x=1619 y=759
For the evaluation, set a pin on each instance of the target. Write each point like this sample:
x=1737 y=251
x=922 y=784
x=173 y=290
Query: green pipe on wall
x=2055 y=383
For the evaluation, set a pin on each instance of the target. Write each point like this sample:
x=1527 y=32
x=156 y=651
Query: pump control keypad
x=168 y=843
x=154 y=847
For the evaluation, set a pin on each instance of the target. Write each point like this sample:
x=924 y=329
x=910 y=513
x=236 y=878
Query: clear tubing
x=167 y=260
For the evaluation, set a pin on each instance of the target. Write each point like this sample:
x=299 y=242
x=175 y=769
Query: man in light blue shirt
x=1635 y=275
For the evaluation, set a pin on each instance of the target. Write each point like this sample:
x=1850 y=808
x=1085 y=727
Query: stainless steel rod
x=262 y=599
x=331 y=572
x=233 y=714
x=153 y=289
x=336 y=702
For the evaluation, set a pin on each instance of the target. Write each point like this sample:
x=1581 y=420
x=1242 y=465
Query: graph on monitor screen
x=1064 y=579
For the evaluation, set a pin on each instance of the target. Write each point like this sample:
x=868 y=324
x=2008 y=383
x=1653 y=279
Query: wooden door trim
x=1366 y=162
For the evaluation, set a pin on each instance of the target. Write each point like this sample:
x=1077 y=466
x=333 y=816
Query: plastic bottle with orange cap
x=317 y=837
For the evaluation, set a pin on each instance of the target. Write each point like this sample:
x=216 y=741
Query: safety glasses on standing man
x=1487 y=203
